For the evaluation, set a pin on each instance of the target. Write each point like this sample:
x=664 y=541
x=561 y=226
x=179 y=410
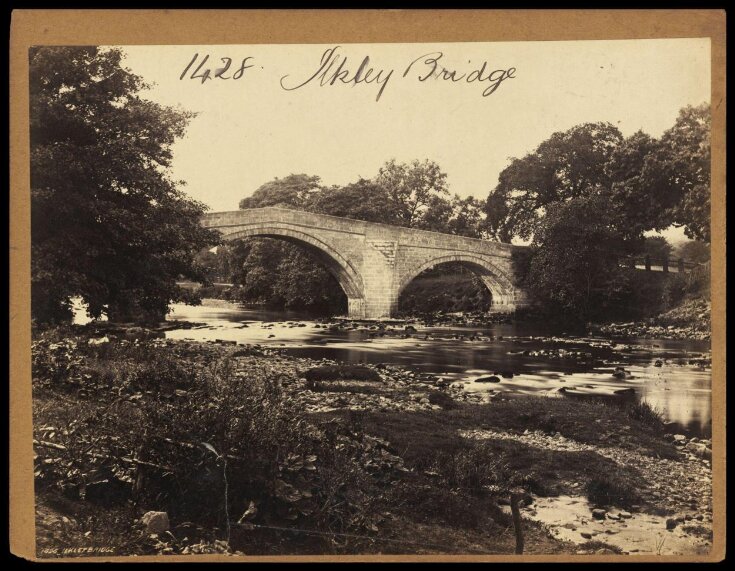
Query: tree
x=568 y=165
x=575 y=269
x=468 y=217
x=412 y=188
x=640 y=199
x=108 y=223
x=685 y=162
x=651 y=183
x=693 y=251
x=362 y=200
x=292 y=191
x=657 y=247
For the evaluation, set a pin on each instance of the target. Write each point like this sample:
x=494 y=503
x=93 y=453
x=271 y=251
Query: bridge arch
x=496 y=281
x=337 y=264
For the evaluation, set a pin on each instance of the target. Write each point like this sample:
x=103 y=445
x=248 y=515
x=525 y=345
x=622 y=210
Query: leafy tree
x=693 y=251
x=684 y=158
x=412 y=188
x=651 y=183
x=568 y=165
x=575 y=270
x=292 y=191
x=640 y=200
x=657 y=247
x=108 y=223
x=468 y=217
x=362 y=200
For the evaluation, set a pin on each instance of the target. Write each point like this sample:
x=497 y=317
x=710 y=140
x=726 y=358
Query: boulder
x=598 y=513
x=156 y=522
x=671 y=523
x=699 y=449
x=488 y=379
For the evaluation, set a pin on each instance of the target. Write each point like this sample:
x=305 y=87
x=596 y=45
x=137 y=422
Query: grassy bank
x=216 y=434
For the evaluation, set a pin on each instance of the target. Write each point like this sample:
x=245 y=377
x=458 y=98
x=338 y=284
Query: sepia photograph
x=386 y=298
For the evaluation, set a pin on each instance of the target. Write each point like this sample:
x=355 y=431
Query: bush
x=646 y=414
x=475 y=467
x=611 y=489
x=54 y=362
x=443 y=400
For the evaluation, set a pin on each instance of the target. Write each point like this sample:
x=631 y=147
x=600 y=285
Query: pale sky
x=251 y=130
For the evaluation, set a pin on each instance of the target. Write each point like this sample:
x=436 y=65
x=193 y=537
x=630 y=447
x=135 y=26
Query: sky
x=271 y=120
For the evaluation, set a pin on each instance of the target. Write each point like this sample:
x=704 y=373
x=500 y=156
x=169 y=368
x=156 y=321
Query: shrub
x=475 y=467
x=442 y=399
x=645 y=413
x=611 y=489
x=55 y=361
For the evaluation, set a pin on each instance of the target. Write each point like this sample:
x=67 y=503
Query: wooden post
x=666 y=265
x=680 y=265
x=648 y=263
x=516 y=497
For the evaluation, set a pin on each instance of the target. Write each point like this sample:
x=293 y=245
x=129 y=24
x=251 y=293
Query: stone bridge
x=374 y=262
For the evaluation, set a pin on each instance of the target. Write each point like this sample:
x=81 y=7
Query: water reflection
x=680 y=391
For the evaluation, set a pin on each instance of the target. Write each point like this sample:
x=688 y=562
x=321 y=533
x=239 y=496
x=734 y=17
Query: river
x=657 y=370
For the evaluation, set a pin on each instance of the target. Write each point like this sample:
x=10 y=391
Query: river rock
x=671 y=523
x=628 y=391
x=625 y=515
x=155 y=522
x=619 y=373
x=598 y=513
x=488 y=379
x=699 y=450
x=679 y=438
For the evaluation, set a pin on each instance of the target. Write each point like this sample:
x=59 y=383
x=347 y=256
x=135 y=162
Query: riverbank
x=319 y=457
x=689 y=320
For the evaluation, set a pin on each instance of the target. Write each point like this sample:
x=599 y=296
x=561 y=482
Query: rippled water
x=682 y=392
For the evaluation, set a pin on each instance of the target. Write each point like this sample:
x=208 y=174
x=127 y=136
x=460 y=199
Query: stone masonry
x=375 y=262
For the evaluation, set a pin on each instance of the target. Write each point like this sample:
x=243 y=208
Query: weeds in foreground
x=162 y=431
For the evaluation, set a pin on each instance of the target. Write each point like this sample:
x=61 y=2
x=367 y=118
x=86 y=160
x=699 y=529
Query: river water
x=539 y=362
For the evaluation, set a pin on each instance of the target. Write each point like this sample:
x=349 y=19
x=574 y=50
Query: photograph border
x=228 y=27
